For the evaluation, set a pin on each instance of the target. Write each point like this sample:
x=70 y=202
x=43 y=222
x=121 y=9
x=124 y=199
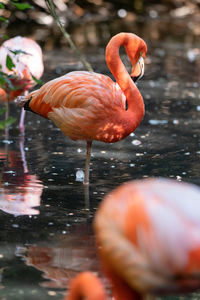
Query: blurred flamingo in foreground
x=26 y=55
x=90 y=106
x=148 y=233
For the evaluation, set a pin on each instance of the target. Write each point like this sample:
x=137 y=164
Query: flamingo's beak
x=138 y=70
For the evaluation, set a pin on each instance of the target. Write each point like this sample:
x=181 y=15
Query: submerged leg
x=87 y=162
x=87 y=198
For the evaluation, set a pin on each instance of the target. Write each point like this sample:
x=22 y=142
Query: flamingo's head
x=138 y=70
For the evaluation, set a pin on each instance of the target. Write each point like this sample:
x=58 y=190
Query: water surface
x=45 y=213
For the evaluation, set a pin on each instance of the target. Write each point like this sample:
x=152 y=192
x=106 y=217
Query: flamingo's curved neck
x=135 y=47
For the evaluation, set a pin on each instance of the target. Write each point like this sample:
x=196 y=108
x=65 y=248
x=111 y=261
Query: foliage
x=37 y=81
x=13 y=4
x=21 y=6
x=6 y=81
x=9 y=63
x=6 y=123
x=51 y=6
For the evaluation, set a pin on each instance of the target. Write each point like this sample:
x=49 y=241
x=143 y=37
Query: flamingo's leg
x=22 y=117
x=21 y=122
x=87 y=162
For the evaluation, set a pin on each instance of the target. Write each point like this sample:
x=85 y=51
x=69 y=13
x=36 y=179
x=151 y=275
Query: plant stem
x=51 y=7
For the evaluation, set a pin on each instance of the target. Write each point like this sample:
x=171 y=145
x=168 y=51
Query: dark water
x=46 y=215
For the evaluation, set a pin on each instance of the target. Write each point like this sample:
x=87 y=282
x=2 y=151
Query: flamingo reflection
x=20 y=191
x=60 y=262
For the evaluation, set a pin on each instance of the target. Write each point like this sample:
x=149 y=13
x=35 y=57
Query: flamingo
x=26 y=56
x=148 y=237
x=90 y=106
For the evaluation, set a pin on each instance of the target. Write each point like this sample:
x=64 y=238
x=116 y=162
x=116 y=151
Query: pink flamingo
x=148 y=238
x=26 y=56
x=90 y=106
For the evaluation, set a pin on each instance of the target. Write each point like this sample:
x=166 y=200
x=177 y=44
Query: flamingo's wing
x=79 y=103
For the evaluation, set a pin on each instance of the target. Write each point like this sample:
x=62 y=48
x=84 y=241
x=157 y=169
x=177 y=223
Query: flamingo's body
x=148 y=233
x=90 y=106
x=26 y=55
x=75 y=104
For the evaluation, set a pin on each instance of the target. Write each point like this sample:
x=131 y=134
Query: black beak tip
x=135 y=78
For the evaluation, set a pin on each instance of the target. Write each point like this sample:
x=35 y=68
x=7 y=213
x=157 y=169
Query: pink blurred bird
x=148 y=238
x=26 y=56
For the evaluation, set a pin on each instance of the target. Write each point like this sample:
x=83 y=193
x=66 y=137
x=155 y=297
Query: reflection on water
x=45 y=217
x=19 y=191
x=71 y=253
